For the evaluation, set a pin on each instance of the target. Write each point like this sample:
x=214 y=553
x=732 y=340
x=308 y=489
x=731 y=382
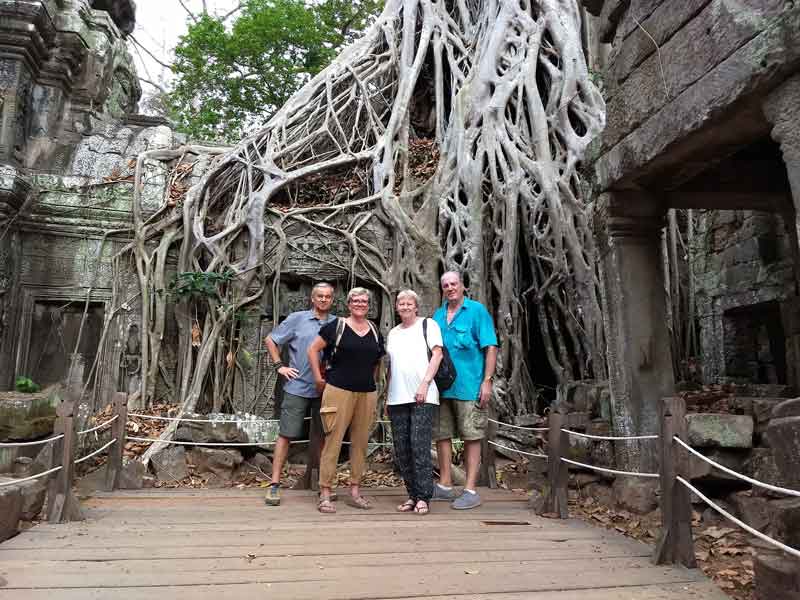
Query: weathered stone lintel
x=703 y=43
x=755 y=68
x=634 y=45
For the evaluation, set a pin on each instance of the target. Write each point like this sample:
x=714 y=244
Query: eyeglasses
x=361 y=302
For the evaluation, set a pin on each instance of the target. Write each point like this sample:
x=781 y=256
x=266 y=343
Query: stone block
x=785 y=520
x=10 y=510
x=33 y=497
x=761 y=465
x=262 y=462
x=25 y=417
x=170 y=464
x=216 y=430
x=777 y=577
x=636 y=495
x=132 y=475
x=701 y=470
x=783 y=435
x=221 y=462
x=720 y=430
x=753 y=510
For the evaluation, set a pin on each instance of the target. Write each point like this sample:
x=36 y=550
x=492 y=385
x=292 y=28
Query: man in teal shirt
x=469 y=336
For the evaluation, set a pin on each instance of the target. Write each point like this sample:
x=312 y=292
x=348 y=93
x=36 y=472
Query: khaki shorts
x=463 y=419
x=293 y=414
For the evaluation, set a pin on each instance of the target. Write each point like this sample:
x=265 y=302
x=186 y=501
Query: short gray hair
x=358 y=291
x=408 y=294
x=446 y=273
x=320 y=285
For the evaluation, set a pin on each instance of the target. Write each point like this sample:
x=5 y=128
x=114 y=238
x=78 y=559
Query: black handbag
x=445 y=375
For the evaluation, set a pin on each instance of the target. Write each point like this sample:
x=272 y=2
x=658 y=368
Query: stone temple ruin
x=703 y=115
x=69 y=139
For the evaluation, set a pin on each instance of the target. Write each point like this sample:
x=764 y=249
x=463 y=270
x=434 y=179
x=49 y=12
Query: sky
x=159 y=24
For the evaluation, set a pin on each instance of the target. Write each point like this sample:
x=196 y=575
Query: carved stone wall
x=743 y=267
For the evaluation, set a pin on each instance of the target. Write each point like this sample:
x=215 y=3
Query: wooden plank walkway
x=225 y=544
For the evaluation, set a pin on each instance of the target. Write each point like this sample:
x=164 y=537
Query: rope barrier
x=788 y=549
x=111 y=420
x=520 y=426
x=96 y=452
x=604 y=470
x=518 y=451
x=212 y=421
x=750 y=480
x=610 y=437
x=36 y=443
x=32 y=477
x=153 y=440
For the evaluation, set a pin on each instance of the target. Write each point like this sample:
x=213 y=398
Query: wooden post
x=115 y=451
x=62 y=505
x=310 y=479
x=676 y=544
x=558 y=472
x=487 y=475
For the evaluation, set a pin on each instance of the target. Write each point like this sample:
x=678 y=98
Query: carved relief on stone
x=22 y=116
x=52 y=260
x=320 y=252
x=130 y=366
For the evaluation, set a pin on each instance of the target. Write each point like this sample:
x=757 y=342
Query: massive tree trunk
x=501 y=88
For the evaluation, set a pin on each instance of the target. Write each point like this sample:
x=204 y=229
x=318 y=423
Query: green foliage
x=196 y=284
x=26 y=385
x=232 y=78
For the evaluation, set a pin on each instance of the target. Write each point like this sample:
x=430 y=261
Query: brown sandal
x=358 y=502
x=325 y=506
x=406 y=506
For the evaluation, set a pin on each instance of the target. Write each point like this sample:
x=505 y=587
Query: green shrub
x=26 y=385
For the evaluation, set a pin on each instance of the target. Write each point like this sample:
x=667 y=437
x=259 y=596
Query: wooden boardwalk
x=225 y=544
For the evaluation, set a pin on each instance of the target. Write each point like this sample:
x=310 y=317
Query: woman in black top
x=354 y=348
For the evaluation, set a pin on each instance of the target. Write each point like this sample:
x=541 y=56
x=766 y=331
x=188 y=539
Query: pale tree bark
x=502 y=89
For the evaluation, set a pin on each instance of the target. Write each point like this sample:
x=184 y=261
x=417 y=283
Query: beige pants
x=342 y=409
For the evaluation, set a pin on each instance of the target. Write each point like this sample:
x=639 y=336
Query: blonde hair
x=358 y=291
x=408 y=294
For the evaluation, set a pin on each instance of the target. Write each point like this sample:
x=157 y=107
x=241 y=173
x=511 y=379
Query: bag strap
x=425 y=337
x=374 y=332
x=340 y=323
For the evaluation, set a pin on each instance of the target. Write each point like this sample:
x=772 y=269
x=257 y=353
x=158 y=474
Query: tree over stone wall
x=500 y=90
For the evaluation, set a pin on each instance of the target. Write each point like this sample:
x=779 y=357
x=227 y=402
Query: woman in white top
x=413 y=398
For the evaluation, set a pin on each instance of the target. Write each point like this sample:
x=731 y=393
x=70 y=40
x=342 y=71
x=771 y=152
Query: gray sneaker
x=466 y=501
x=442 y=495
x=273 y=497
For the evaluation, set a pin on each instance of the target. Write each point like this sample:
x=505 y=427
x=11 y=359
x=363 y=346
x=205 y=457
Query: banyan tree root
x=502 y=89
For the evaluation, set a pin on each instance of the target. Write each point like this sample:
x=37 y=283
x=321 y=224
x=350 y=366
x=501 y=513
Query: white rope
x=745 y=526
x=153 y=440
x=96 y=452
x=610 y=437
x=604 y=470
x=518 y=451
x=111 y=420
x=16 y=444
x=750 y=480
x=212 y=421
x=520 y=426
x=32 y=477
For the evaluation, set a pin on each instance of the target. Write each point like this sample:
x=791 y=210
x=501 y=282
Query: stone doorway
x=754 y=344
x=54 y=329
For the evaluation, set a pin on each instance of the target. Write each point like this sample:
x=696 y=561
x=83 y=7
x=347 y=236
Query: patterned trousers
x=412 y=426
